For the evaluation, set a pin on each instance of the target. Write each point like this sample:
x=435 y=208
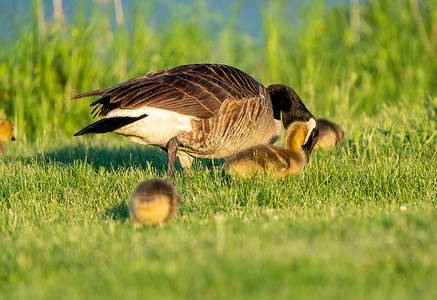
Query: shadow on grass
x=101 y=156
x=98 y=157
x=119 y=212
x=110 y=157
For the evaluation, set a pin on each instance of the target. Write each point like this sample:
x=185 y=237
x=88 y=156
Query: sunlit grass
x=359 y=222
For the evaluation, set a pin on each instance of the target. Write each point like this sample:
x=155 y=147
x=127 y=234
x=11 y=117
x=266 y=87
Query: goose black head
x=312 y=137
x=285 y=99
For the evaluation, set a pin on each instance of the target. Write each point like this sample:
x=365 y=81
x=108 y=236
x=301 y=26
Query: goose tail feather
x=88 y=94
x=108 y=124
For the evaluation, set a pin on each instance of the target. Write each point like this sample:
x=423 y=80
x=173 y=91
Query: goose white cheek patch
x=311 y=124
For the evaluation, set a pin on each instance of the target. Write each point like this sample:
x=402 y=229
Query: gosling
x=5 y=134
x=330 y=134
x=280 y=162
x=154 y=202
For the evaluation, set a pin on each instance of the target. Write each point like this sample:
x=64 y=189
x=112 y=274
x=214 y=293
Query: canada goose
x=153 y=202
x=5 y=134
x=330 y=134
x=197 y=110
x=280 y=162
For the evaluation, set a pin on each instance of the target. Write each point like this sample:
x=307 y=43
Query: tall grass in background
x=346 y=61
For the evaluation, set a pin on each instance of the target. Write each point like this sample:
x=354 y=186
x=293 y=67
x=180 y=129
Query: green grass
x=359 y=222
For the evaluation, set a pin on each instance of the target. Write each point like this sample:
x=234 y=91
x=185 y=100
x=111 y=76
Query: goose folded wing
x=194 y=90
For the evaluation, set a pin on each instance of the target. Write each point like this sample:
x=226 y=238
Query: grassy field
x=359 y=222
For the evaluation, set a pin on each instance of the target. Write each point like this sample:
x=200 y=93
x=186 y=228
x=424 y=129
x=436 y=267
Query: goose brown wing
x=195 y=90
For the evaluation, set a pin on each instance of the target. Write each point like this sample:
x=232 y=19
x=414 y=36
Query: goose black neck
x=285 y=99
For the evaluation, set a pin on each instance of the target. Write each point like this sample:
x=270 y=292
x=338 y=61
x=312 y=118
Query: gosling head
x=6 y=131
x=299 y=136
x=154 y=202
x=286 y=101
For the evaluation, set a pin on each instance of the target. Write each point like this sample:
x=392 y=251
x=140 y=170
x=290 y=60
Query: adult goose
x=197 y=110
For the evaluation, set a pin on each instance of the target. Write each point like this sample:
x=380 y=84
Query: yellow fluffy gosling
x=154 y=202
x=5 y=134
x=330 y=134
x=281 y=162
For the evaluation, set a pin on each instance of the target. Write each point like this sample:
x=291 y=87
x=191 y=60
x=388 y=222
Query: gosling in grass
x=154 y=202
x=281 y=162
x=5 y=134
x=330 y=134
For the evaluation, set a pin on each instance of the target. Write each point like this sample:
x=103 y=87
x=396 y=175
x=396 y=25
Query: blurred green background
x=346 y=59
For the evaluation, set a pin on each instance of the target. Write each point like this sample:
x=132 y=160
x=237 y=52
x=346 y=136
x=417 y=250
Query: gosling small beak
x=12 y=139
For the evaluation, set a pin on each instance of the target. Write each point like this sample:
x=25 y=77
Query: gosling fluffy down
x=330 y=134
x=5 y=134
x=280 y=162
x=154 y=202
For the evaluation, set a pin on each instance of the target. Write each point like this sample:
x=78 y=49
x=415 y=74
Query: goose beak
x=307 y=155
x=12 y=139
x=312 y=140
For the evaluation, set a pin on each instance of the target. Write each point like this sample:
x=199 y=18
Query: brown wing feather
x=196 y=90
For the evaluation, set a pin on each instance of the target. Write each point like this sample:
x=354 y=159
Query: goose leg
x=172 y=149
